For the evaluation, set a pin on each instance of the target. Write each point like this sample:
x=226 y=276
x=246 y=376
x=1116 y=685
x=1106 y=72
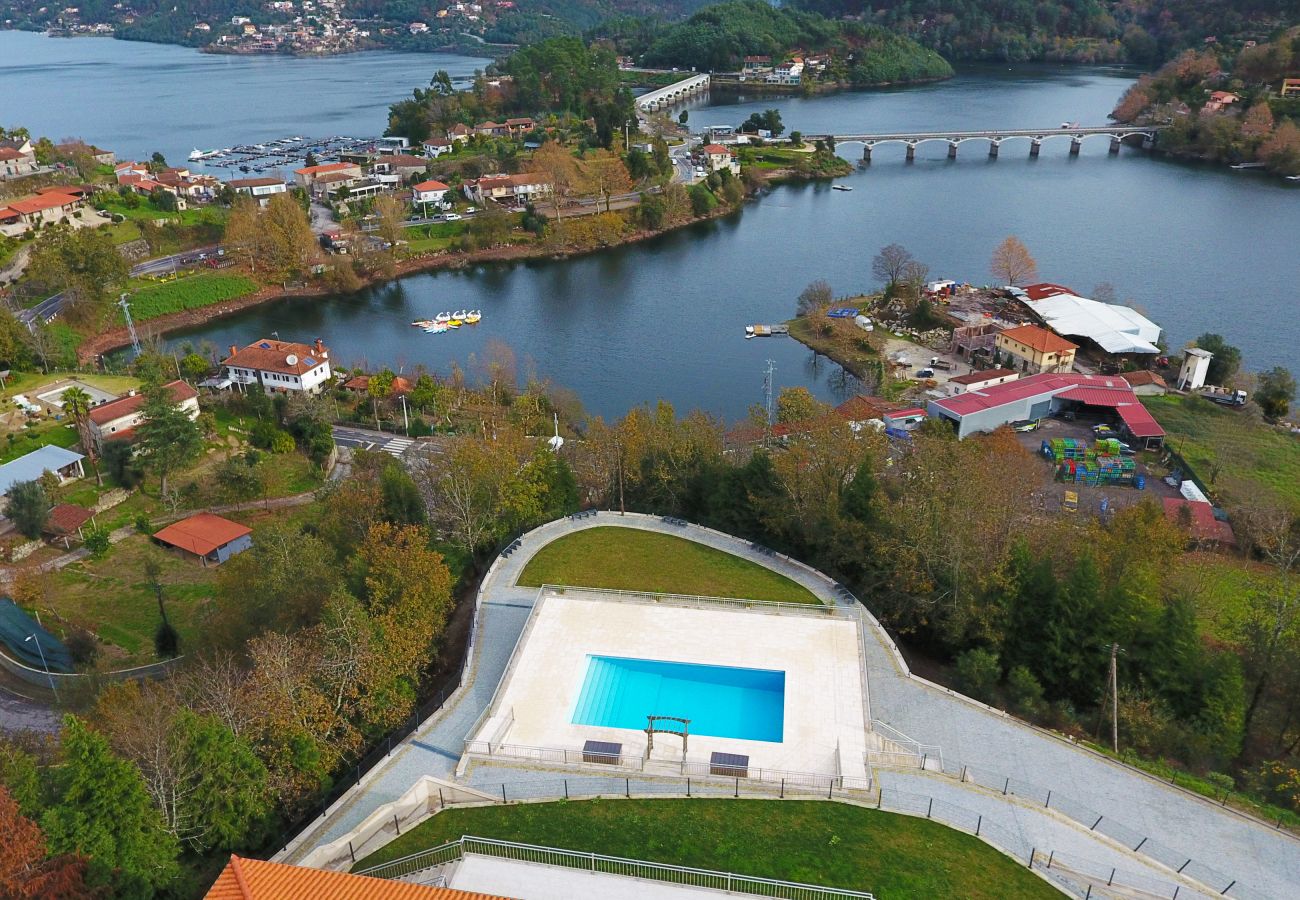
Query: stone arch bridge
x=1117 y=134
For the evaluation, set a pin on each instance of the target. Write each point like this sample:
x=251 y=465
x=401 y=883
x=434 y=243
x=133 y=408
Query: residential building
x=431 y=192
x=117 y=419
x=757 y=65
x=330 y=183
x=788 y=72
x=279 y=366
x=209 y=537
x=1146 y=383
x=1290 y=88
x=1220 y=100
x=522 y=188
x=974 y=381
x=521 y=126
x=308 y=176
x=65 y=464
x=1035 y=349
x=1041 y=395
x=435 y=147
x=401 y=165
x=29 y=213
x=492 y=129
x=17 y=157
x=459 y=133
x=255 y=879
x=188 y=184
x=103 y=157
x=1110 y=328
x=719 y=158
x=260 y=189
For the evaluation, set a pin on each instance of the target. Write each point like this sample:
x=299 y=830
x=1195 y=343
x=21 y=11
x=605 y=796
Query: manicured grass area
x=112 y=598
x=202 y=289
x=145 y=211
x=631 y=559
x=431 y=238
x=20 y=443
x=1242 y=460
x=831 y=844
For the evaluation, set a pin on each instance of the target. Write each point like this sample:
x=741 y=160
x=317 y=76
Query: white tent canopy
x=1116 y=329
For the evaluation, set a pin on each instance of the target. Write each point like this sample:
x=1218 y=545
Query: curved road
x=1261 y=861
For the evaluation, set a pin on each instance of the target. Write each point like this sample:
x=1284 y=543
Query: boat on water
x=435 y=328
x=442 y=317
x=840 y=187
x=1241 y=167
x=473 y=317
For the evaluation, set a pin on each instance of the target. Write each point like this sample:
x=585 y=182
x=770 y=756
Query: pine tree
x=167 y=437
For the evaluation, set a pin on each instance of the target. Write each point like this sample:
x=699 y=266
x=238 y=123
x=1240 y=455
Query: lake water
x=1197 y=248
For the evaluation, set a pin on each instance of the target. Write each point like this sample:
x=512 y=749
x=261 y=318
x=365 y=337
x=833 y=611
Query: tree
x=243 y=237
x=26 y=872
x=890 y=263
x=392 y=219
x=604 y=174
x=768 y=120
x=683 y=117
x=194 y=367
x=28 y=508
x=1281 y=149
x=554 y=161
x=813 y=297
x=1225 y=362
x=167 y=438
x=77 y=403
x=289 y=243
x=378 y=388
x=1012 y=263
x=1258 y=121
x=1276 y=388
x=82 y=262
x=103 y=812
x=163 y=200
x=796 y=404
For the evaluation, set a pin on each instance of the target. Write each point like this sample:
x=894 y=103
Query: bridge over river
x=1117 y=134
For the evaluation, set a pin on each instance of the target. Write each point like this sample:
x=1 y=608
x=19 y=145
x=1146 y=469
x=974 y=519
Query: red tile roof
x=202 y=533
x=404 y=160
x=10 y=153
x=327 y=167
x=30 y=205
x=431 y=186
x=1039 y=339
x=1137 y=379
x=254 y=182
x=716 y=150
x=255 y=879
x=125 y=406
x=1203 y=527
x=66 y=518
x=273 y=356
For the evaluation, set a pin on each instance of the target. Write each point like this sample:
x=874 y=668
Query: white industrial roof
x=1116 y=329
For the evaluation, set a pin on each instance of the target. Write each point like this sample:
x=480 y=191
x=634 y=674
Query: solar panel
x=264 y=345
x=308 y=361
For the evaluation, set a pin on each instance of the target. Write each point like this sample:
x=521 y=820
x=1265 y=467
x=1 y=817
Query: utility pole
x=1114 y=699
x=130 y=326
x=767 y=396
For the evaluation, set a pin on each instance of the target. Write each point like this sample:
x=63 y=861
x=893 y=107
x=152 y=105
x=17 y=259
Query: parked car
x=927 y=372
x=1026 y=424
x=1103 y=431
x=452 y=217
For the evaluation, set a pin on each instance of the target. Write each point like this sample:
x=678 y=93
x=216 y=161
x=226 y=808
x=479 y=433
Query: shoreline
x=106 y=342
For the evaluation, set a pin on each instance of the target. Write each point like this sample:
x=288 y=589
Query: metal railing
x=692 y=601
x=813 y=781
x=610 y=865
x=554 y=755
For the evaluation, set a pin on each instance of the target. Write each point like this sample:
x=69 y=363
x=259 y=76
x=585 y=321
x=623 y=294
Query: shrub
x=282 y=442
x=978 y=671
x=83 y=646
x=1024 y=691
x=420 y=428
x=29 y=508
x=142 y=523
x=97 y=542
x=121 y=465
x=166 y=642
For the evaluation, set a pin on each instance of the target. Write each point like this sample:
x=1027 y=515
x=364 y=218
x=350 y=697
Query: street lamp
x=44 y=664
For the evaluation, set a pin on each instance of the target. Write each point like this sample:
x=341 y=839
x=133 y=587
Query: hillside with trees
x=719 y=37
x=1067 y=30
x=1223 y=107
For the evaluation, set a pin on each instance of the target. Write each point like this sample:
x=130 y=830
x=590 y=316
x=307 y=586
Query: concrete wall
x=238 y=545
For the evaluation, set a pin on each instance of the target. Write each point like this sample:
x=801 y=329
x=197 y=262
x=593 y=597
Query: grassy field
x=1241 y=460
x=631 y=559
x=821 y=843
x=20 y=439
x=431 y=238
x=202 y=289
x=111 y=598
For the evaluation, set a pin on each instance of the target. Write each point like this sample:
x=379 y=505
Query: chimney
x=233 y=349
x=320 y=347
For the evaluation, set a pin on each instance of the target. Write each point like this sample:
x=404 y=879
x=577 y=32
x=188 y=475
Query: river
x=1197 y=248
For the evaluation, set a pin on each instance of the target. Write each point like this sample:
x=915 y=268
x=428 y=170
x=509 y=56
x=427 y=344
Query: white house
x=719 y=158
x=279 y=366
x=434 y=192
x=260 y=189
x=522 y=188
x=117 y=419
x=436 y=147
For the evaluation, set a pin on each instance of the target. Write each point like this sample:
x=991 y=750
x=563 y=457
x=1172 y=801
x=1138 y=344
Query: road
x=365 y=439
x=50 y=307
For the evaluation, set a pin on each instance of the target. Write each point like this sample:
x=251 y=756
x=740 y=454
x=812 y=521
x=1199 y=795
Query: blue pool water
x=720 y=701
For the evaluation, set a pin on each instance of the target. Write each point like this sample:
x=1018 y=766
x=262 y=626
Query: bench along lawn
x=635 y=560
x=823 y=843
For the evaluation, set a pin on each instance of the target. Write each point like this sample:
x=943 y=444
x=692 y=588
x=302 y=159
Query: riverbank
x=97 y=345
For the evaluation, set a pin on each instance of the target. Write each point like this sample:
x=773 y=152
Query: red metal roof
x=1046 y=383
x=1139 y=421
x=1098 y=396
x=981 y=376
x=1204 y=526
x=202 y=533
x=1045 y=289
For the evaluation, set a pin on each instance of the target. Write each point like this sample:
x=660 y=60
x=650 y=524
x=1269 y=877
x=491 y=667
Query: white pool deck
x=825 y=712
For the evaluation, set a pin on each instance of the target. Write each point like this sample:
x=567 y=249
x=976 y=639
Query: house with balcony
x=278 y=366
x=1033 y=349
x=260 y=189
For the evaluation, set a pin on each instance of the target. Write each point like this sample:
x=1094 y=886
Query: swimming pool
x=720 y=701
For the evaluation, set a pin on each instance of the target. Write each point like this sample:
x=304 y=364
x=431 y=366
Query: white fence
x=598 y=863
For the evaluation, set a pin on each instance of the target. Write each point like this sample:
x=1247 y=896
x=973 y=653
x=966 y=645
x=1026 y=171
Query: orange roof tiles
x=1039 y=339
x=327 y=167
x=30 y=205
x=431 y=186
x=273 y=356
x=255 y=879
x=202 y=533
x=125 y=406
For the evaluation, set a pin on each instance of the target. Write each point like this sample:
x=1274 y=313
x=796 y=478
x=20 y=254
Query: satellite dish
x=291 y=360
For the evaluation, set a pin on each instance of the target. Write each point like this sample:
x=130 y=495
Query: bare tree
x=1105 y=293
x=914 y=275
x=1012 y=263
x=889 y=264
x=812 y=298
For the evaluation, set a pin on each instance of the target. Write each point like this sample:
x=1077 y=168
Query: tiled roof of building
x=255 y=879
x=66 y=518
x=273 y=356
x=404 y=160
x=30 y=205
x=202 y=533
x=125 y=406
x=1143 y=377
x=10 y=153
x=1203 y=525
x=324 y=168
x=253 y=182
x=716 y=150
x=431 y=186
x=1039 y=339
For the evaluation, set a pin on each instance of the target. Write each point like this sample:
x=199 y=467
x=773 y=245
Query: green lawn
x=631 y=559
x=831 y=844
x=1242 y=460
x=202 y=289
